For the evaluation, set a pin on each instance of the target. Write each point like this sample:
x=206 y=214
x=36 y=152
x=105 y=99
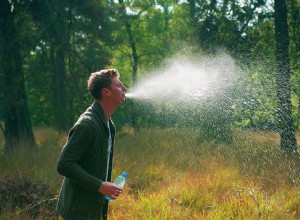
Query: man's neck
x=107 y=107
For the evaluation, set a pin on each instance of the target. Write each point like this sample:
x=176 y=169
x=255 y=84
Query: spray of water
x=187 y=79
x=201 y=85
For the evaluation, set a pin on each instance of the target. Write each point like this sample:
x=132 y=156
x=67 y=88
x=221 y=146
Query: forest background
x=49 y=48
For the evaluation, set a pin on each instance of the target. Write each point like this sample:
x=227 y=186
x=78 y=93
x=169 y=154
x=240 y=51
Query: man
x=86 y=158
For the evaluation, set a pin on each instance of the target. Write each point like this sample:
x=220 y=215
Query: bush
x=24 y=197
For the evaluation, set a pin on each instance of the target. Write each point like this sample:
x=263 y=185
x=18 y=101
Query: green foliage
x=86 y=49
x=215 y=123
x=212 y=118
x=255 y=104
x=94 y=36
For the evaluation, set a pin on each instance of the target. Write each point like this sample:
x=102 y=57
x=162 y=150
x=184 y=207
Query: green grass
x=172 y=176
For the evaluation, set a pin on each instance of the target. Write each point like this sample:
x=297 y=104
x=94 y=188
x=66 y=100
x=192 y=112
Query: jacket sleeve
x=79 y=139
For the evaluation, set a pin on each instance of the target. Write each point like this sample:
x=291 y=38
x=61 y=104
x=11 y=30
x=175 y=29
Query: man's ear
x=106 y=91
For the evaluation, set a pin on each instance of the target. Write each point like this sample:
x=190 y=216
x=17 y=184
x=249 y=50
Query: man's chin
x=123 y=100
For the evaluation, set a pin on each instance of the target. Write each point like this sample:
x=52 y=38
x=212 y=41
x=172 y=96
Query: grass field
x=172 y=176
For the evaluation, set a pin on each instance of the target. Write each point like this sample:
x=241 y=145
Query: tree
x=52 y=16
x=287 y=130
x=72 y=41
x=18 y=129
x=294 y=33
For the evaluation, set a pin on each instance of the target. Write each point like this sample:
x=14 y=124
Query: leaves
x=94 y=36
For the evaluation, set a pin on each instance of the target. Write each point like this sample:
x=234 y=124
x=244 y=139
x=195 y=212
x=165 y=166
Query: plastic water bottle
x=119 y=182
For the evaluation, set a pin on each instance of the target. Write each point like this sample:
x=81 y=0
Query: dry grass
x=171 y=176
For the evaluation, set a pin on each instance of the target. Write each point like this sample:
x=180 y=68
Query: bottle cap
x=124 y=174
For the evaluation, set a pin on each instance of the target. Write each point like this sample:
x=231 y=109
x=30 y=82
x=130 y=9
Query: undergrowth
x=170 y=176
x=25 y=199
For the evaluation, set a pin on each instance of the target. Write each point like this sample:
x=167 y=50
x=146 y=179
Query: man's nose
x=124 y=89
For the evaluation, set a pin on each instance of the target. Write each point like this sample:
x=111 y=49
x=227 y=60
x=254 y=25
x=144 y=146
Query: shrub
x=22 y=196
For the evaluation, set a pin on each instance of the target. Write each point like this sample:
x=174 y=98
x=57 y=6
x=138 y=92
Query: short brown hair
x=99 y=80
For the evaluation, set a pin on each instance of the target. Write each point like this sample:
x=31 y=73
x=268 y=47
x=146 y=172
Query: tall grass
x=172 y=176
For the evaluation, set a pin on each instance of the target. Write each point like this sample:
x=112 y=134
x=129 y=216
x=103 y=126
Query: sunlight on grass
x=38 y=164
x=191 y=181
x=49 y=136
x=206 y=197
x=172 y=176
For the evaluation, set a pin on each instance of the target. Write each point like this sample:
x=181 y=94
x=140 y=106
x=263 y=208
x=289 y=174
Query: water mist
x=200 y=93
x=187 y=79
x=188 y=91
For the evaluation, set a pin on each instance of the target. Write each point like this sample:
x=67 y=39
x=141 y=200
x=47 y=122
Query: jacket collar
x=99 y=111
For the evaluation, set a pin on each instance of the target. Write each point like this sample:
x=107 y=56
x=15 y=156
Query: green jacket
x=83 y=162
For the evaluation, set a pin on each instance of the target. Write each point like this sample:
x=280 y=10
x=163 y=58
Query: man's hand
x=110 y=190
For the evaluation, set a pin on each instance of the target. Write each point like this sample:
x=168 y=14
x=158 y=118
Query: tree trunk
x=18 y=130
x=286 y=127
x=57 y=56
x=193 y=20
x=294 y=27
x=134 y=56
x=59 y=88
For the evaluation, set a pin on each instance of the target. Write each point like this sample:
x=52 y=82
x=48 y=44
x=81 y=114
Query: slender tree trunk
x=131 y=42
x=192 y=4
x=18 y=130
x=208 y=35
x=166 y=17
x=57 y=54
x=294 y=26
x=59 y=88
x=134 y=56
x=134 y=67
x=287 y=130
